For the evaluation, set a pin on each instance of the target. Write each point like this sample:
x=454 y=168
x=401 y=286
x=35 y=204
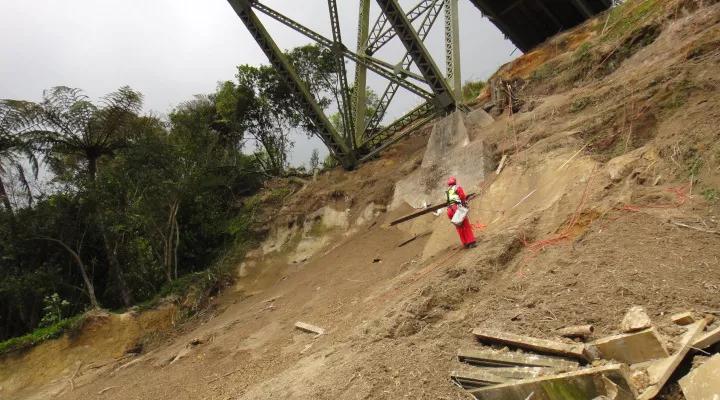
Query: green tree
x=314 y=160
x=260 y=110
x=73 y=129
x=269 y=115
x=14 y=149
x=72 y=126
x=166 y=199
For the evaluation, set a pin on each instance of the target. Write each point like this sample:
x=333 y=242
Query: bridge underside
x=528 y=23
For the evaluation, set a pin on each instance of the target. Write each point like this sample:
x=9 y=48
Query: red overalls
x=465 y=231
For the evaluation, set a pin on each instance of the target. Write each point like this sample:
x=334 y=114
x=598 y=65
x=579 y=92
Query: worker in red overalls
x=456 y=197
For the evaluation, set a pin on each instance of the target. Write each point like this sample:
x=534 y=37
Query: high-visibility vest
x=452 y=195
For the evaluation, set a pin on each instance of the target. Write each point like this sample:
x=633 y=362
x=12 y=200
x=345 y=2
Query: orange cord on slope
x=479 y=226
x=564 y=234
x=681 y=195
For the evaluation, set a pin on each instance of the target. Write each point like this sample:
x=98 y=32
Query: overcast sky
x=171 y=50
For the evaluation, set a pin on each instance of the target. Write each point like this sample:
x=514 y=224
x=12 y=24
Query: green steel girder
x=360 y=92
x=392 y=88
x=325 y=42
x=345 y=106
x=361 y=135
x=398 y=129
x=452 y=47
x=381 y=34
x=444 y=97
x=336 y=143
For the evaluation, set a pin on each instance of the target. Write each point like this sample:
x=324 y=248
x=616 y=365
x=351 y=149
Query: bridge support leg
x=325 y=130
x=452 y=47
x=360 y=90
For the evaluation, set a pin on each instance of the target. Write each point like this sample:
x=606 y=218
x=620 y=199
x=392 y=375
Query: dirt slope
x=613 y=153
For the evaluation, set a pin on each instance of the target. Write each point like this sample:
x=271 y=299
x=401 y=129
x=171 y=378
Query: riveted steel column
x=452 y=46
x=444 y=97
x=360 y=91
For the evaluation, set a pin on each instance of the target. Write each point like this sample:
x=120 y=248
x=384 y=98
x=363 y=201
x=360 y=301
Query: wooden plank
x=685 y=318
x=529 y=343
x=470 y=379
x=703 y=383
x=425 y=211
x=309 y=328
x=630 y=348
x=707 y=339
x=520 y=372
x=416 y=214
x=501 y=165
x=511 y=359
x=578 y=331
x=583 y=384
x=660 y=371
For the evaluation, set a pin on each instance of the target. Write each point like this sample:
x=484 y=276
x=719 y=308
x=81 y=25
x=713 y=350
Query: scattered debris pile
x=633 y=365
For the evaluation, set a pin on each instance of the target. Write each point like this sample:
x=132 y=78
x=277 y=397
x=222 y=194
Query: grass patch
x=580 y=104
x=626 y=17
x=318 y=229
x=712 y=195
x=197 y=286
x=694 y=165
x=583 y=54
x=40 y=335
x=545 y=71
x=677 y=95
x=472 y=89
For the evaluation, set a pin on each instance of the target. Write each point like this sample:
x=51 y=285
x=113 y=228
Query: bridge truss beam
x=361 y=138
x=444 y=98
x=325 y=130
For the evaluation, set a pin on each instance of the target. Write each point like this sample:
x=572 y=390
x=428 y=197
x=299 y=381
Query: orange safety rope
x=564 y=234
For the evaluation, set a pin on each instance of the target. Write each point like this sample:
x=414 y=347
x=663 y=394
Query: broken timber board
x=501 y=165
x=660 y=371
x=510 y=359
x=425 y=211
x=703 y=383
x=685 y=318
x=630 y=348
x=534 y=344
x=520 y=372
x=309 y=328
x=470 y=379
x=583 y=384
x=707 y=340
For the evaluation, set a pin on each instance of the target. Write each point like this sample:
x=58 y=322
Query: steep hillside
x=609 y=197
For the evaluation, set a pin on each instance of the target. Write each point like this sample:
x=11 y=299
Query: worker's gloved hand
x=465 y=204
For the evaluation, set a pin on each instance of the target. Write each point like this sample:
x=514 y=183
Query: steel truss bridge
x=362 y=138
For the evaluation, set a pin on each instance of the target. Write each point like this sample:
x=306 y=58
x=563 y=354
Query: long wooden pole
x=425 y=211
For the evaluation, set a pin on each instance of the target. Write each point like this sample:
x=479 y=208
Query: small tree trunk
x=92 y=168
x=116 y=270
x=89 y=287
x=4 y=197
x=177 y=243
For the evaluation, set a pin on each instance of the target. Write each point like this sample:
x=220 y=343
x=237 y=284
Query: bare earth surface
x=607 y=201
